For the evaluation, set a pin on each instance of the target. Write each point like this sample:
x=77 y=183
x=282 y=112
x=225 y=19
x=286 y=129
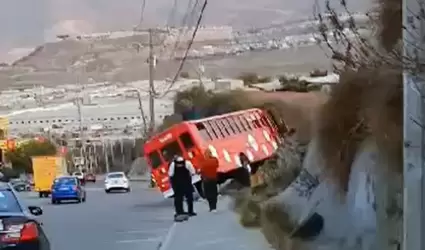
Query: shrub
x=264 y=79
x=249 y=78
x=184 y=74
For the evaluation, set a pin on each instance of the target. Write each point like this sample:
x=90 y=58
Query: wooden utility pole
x=152 y=64
x=414 y=125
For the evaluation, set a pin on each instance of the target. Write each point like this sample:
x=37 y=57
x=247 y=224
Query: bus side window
x=187 y=141
x=203 y=132
x=155 y=159
x=245 y=122
x=170 y=150
x=217 y=130
x=230 y=125
x=238 y=123
x=224 y=127
x=256 y=121
x=241 y=123
x=214 y=133
x=233 y=126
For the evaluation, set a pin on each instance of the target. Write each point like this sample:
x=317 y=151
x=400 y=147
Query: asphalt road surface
x=118 y=221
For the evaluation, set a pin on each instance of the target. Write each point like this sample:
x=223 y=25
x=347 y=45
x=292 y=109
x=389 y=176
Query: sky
x=28 y=23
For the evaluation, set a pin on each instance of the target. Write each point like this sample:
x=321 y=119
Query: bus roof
x=178 y=125
x=223 y=115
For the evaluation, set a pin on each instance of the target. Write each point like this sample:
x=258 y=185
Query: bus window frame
x=222 y=122
x=250 y=120
x=256 y=122
x=245 y=122
x=238 y=123
x=216 y=129
x=229 y=122
x=208 y=132
x=213 y=132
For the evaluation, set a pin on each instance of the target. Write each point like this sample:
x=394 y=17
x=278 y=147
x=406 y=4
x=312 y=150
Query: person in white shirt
x=180 y=172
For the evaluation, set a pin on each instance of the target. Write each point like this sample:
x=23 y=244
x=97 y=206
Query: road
x=120 y=221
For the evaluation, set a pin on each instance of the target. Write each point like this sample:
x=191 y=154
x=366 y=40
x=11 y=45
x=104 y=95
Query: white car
x=79 y=175
x=116 y=181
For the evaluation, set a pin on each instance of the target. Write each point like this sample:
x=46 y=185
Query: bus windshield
x=170 y=150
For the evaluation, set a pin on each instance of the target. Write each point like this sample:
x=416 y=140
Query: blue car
x=67 y=188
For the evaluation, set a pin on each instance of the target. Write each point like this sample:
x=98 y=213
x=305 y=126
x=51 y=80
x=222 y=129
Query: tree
x=21 y=156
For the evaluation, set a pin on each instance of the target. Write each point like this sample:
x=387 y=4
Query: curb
x=165 y=243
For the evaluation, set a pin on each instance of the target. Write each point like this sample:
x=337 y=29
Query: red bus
x=251 y=132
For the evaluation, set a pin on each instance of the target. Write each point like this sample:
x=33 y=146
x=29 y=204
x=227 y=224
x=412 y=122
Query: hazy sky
x=26 y=23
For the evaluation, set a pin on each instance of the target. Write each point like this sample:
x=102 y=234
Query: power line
x=198 y=23
x=142 y=12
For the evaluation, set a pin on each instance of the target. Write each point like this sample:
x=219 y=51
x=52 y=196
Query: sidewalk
x=208 y=231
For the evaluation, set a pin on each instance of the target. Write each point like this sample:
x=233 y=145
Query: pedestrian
x=209 y=169
x=180 y=173
x=245 y=177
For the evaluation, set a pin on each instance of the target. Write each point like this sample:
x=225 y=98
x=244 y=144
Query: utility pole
x=80 y=119
x=414 y=125
x=152 y=64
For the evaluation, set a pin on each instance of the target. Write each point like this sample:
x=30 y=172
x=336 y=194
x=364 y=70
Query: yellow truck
x=46 y=169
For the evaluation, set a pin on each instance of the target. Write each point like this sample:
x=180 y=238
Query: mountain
x=26 y=23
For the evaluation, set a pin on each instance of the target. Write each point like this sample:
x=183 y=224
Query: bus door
x=190 y=149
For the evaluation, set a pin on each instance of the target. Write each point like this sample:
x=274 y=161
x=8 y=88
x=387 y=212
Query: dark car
x=90 y=177
x=20 y=185
x=19 y=229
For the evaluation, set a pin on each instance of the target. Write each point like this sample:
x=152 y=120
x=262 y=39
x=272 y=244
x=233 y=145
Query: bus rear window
x=155 y=159
x=170 y=150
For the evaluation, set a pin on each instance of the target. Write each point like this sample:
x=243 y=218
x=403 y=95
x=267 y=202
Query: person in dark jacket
x=180 y=173
x=245 y=178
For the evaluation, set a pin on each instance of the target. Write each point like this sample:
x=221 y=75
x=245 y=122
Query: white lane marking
x=156 y=239
x=165 y=244
x=163 y=230
x=213 y=242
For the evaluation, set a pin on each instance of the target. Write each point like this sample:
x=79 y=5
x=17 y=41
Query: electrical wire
x=176 y=76
x=184 y=28
x=142 y=12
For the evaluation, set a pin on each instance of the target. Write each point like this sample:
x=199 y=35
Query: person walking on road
x=180 y=173
x=209 y=169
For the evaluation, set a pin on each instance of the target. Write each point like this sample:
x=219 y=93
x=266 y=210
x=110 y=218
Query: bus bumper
x=168 y=193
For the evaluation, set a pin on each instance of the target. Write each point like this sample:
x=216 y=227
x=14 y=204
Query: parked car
x=19 y=228
x=80 y=177
x=20 y=185
x=68 y=188
x=116 y=181
x=90 y=177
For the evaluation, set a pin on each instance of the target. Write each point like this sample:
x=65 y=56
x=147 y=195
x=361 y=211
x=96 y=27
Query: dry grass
x=390 y=22
x=258 y=209
x=365 y=103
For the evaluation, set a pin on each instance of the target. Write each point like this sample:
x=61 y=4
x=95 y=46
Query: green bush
x=21 y=156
